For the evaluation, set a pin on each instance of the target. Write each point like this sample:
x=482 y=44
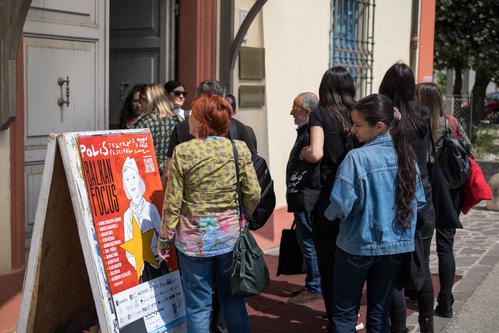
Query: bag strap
x=434 y=151
x=454 y=130
x=238 y=185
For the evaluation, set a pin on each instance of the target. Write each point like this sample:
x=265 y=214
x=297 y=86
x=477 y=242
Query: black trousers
x=325 y=233
x=446 y=262
x=425 y=296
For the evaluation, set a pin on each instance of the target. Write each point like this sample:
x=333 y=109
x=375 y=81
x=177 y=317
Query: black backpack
x=454 y=157
x=266 y=206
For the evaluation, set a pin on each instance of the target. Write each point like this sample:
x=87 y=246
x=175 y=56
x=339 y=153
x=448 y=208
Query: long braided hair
x=379 y=108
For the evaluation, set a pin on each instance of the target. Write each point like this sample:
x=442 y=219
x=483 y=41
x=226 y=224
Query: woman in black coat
x=399 y=84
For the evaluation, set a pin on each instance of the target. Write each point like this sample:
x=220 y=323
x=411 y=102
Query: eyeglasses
x=177 y=93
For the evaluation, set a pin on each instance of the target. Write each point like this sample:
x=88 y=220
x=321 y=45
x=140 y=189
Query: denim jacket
x=364 y=199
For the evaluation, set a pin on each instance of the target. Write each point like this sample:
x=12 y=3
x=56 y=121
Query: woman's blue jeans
x=197 y=278
x=351 y=272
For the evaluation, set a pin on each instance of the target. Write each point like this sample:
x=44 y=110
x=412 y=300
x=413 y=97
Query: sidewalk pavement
x=476 y=291
x=480 y=312
x=476 y=250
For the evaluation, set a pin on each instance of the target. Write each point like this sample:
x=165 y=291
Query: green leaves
x=467 y=35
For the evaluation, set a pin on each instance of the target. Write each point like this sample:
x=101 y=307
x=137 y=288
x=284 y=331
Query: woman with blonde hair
x=202 y=214
x=430 y=96
x=161 y=120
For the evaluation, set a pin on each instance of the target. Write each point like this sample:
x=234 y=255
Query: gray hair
x=310 y=100
x=211 y=87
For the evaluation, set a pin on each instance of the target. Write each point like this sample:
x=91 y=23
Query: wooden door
x=141 y=48
x=64 y=40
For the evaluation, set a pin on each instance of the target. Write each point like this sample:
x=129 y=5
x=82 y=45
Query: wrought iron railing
x=352 y=40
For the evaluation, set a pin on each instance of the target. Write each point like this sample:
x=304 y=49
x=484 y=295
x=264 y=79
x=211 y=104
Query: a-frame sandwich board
x=57 y=293
x=67 y=286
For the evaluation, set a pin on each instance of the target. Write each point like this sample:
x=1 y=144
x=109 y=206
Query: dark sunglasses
x=178 y=93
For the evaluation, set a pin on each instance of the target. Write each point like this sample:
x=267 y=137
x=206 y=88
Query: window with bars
x=351 y=40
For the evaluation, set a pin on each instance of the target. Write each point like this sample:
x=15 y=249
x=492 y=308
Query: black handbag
x=249 y=273
x=291 y=260
x=413 y=272
x=446 y=214
x=454 y=159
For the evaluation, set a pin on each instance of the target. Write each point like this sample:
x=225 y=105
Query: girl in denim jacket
x=376 y=195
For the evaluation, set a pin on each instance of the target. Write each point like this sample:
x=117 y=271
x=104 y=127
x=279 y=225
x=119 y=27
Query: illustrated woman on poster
x=146 y=215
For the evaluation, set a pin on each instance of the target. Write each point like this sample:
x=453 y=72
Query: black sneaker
x=444 y=308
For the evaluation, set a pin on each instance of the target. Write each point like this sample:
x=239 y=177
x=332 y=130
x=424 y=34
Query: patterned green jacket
x=161 y=130
x=200 y=207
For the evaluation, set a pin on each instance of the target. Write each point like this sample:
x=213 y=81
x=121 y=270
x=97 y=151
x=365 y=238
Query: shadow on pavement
x=270 y=312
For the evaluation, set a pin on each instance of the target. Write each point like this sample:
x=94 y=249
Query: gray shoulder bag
x=249 y=273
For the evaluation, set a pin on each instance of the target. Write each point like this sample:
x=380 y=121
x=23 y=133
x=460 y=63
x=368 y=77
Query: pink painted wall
x=426 y=41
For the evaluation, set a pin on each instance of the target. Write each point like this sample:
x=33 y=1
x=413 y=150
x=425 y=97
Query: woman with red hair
x=201 y=211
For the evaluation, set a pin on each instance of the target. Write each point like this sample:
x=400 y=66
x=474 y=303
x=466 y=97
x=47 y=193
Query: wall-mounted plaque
x=251 y=96
x=251 y=63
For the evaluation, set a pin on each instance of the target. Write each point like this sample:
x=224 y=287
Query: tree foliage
x=467 y=36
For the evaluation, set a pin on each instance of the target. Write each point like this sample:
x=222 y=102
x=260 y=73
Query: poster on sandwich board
x=116 y=193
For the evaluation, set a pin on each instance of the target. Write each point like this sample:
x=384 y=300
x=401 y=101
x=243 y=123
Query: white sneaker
x=360 y=324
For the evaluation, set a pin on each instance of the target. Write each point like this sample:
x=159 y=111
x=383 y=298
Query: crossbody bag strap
x=455 y=130
x=446 y=127
x=238 y=184
x=434 y=151
x=449 y=131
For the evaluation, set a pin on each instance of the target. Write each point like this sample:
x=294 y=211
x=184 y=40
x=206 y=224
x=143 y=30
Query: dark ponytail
x=379 y=108
x=399 y=85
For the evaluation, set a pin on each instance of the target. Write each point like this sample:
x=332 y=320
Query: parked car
x=490 y=107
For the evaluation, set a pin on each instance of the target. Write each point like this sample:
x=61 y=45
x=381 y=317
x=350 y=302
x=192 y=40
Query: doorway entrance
x=142 y=47
x=69 y=84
